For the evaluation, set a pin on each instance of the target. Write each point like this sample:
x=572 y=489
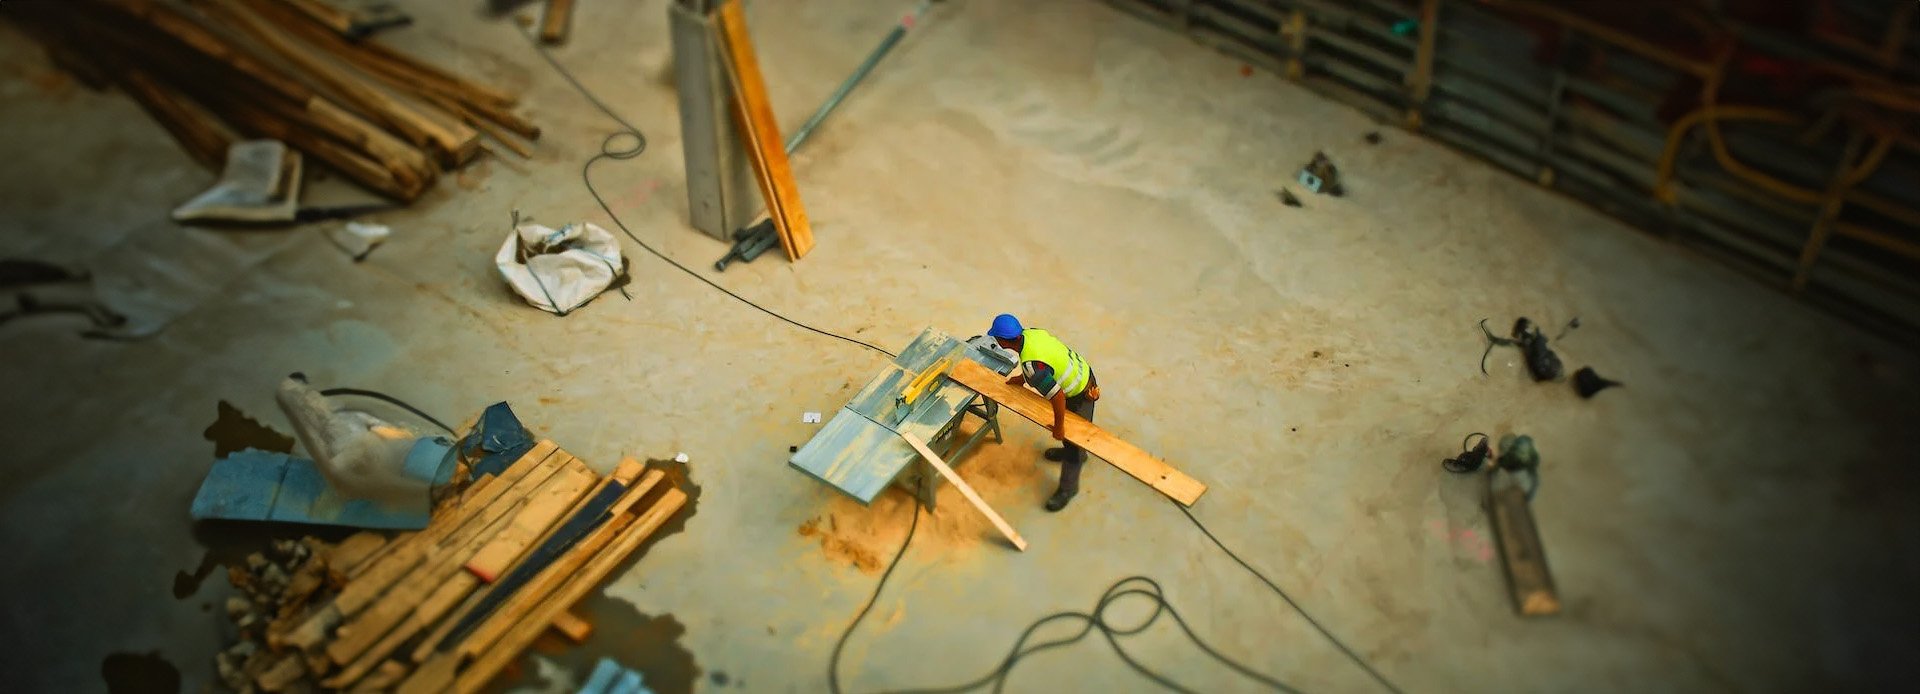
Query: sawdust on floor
x=1005 y=475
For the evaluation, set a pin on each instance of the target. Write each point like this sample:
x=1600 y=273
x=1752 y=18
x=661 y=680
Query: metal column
x=721 y=195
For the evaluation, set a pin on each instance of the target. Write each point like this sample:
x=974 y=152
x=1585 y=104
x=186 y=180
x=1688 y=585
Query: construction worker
x=1065 y=379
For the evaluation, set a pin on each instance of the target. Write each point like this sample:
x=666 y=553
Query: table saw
x=860 y=451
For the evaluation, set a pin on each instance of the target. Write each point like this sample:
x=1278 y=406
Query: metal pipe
x=887 y=44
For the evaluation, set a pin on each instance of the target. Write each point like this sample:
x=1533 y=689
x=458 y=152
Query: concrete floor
x=1740 y=517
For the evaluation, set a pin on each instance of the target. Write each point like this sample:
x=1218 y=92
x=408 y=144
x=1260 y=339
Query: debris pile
x=274 y=70
x=446 y=608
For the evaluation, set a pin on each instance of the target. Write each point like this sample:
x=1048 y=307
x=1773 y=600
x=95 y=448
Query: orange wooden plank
x=1129 y=458
x=764 y=147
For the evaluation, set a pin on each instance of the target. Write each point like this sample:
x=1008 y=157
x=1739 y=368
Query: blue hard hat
x=1005 y=327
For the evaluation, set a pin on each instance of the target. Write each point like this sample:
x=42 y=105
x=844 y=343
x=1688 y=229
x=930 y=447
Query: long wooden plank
x=966 y=490
x=452 y=141
x=529 y=626
x=1126 y=456
x=490 y=622
x=362 y=643
x=373 y=56
x=531 y=522
x=438 y=668
x=764 y=147
x=554 y=24
x=401 y=555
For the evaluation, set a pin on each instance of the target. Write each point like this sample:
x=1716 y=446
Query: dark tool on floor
x=1587 y=382
x=1320 y=176
x=38 y=287
x=1471 y=458
x=749 y=243
x=1288 y=198
x=1542 y=363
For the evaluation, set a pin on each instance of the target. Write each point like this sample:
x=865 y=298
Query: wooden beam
x=1521 y=551
x=355 y=549
x=765 y=149
x=531 y=522
x=572 y=626
x=453 y=142
x=966 y=490
x=377 y=58
x=401 y=555
x=554 y=24
x=1420 y=81
x=536 y=620
x=438 y=672
x=1129 y=458
x=419 y=602
x=551 y=576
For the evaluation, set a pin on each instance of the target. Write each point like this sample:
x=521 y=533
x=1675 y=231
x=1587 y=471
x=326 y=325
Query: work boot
x=1058 y=454
x=1059 y=500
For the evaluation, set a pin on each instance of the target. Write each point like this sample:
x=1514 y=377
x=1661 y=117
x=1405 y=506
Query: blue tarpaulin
x=610 y=677
x=496 y=441
x=262 y=486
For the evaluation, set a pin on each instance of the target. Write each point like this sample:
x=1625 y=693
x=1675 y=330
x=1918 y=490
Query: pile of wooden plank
x=452 y=605
x=210 y=69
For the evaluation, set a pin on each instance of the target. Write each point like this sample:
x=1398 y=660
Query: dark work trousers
x=1076 y=456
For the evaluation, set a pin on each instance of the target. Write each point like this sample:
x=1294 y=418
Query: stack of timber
x=213 y=71
x=449 y=607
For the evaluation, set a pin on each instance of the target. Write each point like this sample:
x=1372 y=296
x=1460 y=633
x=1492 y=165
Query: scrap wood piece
x=572 y=626
x=1522 y=553
x=495 y=657
x=376 y=57
x=452 y=141
x=765 y=149
x=343 y=558
x=197 y=131
x=554 y=24
x=966 y=490
x=383 y=678
x=401 y=555
x=1116 y=451
x=581 y=517
x=353 y=25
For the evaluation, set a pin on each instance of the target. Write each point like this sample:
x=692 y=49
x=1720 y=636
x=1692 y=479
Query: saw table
x=860 y=450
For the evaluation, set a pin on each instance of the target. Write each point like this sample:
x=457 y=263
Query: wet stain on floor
x=139 y=673
x=649 y=645
x=681 y=477
x=233 y=431
x=227 y=543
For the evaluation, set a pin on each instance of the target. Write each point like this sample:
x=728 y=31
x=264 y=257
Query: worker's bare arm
x=1059 y=415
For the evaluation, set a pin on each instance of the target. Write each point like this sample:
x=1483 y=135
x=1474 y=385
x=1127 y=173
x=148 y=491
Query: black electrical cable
x=608 y=151
x=1097 y=620
x=391 y=401
x=1337 y=643
x=1094 y=620
x=833 y=664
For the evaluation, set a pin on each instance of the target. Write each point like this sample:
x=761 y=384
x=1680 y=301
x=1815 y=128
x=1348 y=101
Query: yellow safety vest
x=1069 y=370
